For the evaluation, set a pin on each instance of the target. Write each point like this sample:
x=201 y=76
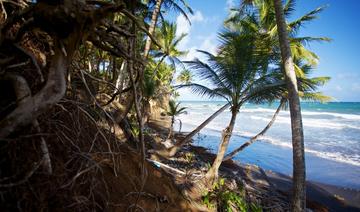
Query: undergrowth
x=222 y=198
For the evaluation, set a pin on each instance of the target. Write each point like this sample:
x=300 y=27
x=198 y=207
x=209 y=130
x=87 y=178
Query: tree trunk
x=136 y=95
x=299 y=172
x=176 y=147
x=253 y=139
x=171 y=130
x=114 y=75
x=158 y=65
x=120 y=79
x=212 y=174
x=152 y=26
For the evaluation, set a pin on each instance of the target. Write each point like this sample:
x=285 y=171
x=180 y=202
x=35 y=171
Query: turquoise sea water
x=332 y=138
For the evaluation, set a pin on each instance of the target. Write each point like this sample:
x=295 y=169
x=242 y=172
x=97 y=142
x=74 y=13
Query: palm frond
x=315 y=97
x=202 y=90
x=295 y=25
x=289 y=7
x=172 y=4
x=179 y=39
x=205 y=72
x=308 y=40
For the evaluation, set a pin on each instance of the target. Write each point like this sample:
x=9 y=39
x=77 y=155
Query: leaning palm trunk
x=179 y=144
x=153 y=22
x=212 y=174
x=171 y=130
x=253 y=139
x=299 y=173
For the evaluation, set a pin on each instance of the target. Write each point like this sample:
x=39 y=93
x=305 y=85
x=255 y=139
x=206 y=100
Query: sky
x=339 y=59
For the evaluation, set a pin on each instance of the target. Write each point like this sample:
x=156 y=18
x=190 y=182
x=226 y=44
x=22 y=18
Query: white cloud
x=197 y=17
x=229 y=4
x=208 y=44
x=184 y=27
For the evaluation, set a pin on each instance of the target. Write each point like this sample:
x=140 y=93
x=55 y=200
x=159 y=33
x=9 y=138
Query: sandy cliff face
x=159 y=107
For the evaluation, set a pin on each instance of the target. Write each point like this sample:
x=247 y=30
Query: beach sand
x=320 y=196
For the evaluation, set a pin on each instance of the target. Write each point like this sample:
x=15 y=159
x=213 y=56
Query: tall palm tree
x=268 y=11
x=238 y=74
x=169 y=4
x=173 y=111
x=264 y=22
x=299 y=169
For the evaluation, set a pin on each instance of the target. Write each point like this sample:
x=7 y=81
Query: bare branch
x=51 y=93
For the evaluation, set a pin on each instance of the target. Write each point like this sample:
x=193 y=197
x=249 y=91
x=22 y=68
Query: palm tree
x=264 y=22
x=185 y=77
x=173 y=111
x=169 y=4
x=261 y=133
x=268 y=11
x=307 y=90
x=238 y=74
x=173 y=150
x=299 y=169
x=166 y=36
x=266 y=29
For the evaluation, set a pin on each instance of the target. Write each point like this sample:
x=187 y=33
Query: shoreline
x=320 y=196
x=277 y=158
x=333 y=197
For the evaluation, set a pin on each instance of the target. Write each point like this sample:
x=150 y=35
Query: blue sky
x=339 y=59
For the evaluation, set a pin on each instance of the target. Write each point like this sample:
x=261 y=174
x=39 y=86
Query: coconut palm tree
x=307 y=90
x=173 y=111
x=268 y=11
x=166 y=36
x=264 y=22
x=239 y=74
x=299 y=169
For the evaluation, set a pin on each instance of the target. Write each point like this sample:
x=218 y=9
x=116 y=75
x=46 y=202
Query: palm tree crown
x=166 y=36
x=175 y=109
x=239 y=73
x=185 y=77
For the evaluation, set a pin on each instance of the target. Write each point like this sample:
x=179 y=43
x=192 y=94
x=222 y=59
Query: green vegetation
x=173 y=111
x=224 y=199
x=82 y=80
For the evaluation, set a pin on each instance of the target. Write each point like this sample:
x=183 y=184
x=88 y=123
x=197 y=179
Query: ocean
x=332 y=137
